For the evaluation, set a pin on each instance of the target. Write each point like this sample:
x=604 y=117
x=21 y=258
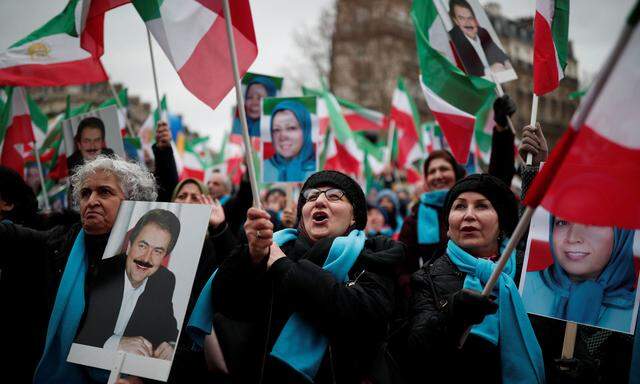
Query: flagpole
x=153 y=69
x=390 y=135
x=120 y=107
x=502 y=262
x=41 y=175
x=532 y=122
x=255 y=190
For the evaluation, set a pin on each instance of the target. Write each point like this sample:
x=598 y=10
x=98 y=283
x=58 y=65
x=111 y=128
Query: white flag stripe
x=401 y=102
x=51 y=50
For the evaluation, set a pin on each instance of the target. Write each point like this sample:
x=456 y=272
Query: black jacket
x=152 y=317
x=432 y=346
x=253 y=304
x=165 y=172
x=468 y=55
x=31 y=264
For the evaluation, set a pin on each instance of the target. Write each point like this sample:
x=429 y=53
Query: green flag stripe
x=148 y=9
x=560 y=30
x=634 y=16
x=64 y=22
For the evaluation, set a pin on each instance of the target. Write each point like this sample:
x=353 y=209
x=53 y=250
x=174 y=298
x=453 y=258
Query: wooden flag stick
x=569 y=343
x=120 y=107
x=532 y=122
x=153 y=70
x=502 y=262
x=45 y=194
x=255 y=189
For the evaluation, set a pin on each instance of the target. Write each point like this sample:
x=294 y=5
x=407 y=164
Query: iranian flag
x=360 y=118
x=192 y=35
x=405 y=116
x=16 y=131
x=550 y=44
x=196 y=159
x=453 y=97
x=122 y=112
x=64 y=51
x=593 y=174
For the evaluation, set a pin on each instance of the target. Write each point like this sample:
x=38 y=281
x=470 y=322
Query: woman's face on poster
x=286 y=134
x=255 y=94
x=583 y=251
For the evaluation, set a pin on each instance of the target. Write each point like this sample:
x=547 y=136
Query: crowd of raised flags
x=598 y=157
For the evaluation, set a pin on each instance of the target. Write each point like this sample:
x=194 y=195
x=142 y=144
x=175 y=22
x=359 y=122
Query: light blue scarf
x=299 y=345
x=298 y=167
x=65 y=318
x=428 y=222
x=582 y=302
x=509 y=328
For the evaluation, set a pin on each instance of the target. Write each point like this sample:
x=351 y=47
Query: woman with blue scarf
x=295 y=156
x=305 y=305
x=257 y=89
x=480 y=213
x=591 y=280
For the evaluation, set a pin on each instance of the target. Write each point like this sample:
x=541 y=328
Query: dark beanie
x=445 y=155
x=495 y=190
x=351 y=189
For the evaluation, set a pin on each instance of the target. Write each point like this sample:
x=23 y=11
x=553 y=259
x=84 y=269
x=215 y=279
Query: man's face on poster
x=145 y=253
x=91 y=143
x=466 y=21
x=287 y=134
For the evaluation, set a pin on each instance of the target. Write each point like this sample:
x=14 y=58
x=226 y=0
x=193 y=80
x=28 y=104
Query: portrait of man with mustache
x=130 y=307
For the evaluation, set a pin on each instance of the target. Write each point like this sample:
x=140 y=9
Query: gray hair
x=137 y=183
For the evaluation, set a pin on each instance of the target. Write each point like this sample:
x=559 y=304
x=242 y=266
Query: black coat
x=31 y=264
x=433 y=337
x=252 y=306
x=152 y=317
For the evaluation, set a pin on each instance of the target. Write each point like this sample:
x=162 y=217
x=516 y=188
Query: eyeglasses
x=332 y=194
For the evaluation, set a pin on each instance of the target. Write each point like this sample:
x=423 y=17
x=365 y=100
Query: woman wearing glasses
x=309 y=304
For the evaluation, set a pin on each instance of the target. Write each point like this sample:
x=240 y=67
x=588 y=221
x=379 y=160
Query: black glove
x=468 y=307
x=503 y=108
x=572 y=371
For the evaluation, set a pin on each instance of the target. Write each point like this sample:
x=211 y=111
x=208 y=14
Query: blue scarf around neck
x=428 y=222
x=64 y=321
x=299 y=345
x=509 y=328
x=582 y=301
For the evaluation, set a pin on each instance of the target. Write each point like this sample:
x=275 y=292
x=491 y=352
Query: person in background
x=18 y=203
x=377 y=221
x=219 y=186
x=388 y=200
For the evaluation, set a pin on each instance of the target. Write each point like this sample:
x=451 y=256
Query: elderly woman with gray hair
x=49 y=273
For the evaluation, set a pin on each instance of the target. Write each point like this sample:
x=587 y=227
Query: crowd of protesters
x=322 y=283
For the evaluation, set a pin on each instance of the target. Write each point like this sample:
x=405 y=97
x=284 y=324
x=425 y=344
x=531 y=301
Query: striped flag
x=360 y=118
x=453 y=97
x=64 y=51
x=196 y=159
x=550 y=44
x=16 y=131
x=122 y=112
x=193 y=36
x=407 y=120
x=593 y=174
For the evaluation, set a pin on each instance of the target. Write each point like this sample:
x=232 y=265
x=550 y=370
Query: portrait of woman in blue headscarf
x=591 y=280
x=295 y=157
x=257 y=89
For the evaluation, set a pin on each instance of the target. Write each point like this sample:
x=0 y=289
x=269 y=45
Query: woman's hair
x=458 y=169
x=203 y=189
x=137 y=183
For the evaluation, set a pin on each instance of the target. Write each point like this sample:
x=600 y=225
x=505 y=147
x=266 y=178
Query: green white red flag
x=593 y=174
x=192 y=34
x=404 y=115
x=550 y=44
x=453 y=97
x=196 y=159
x=16 y=131
x=64 y=51
x=360 y=118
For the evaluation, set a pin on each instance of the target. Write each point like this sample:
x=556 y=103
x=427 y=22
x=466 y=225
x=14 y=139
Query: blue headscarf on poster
x=254 y=124
x=303 y=164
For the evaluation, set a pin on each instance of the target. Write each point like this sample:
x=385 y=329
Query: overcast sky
x=594 y=26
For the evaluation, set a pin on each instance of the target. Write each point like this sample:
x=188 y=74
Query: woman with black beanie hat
x=310 y=304
x=480 y=213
